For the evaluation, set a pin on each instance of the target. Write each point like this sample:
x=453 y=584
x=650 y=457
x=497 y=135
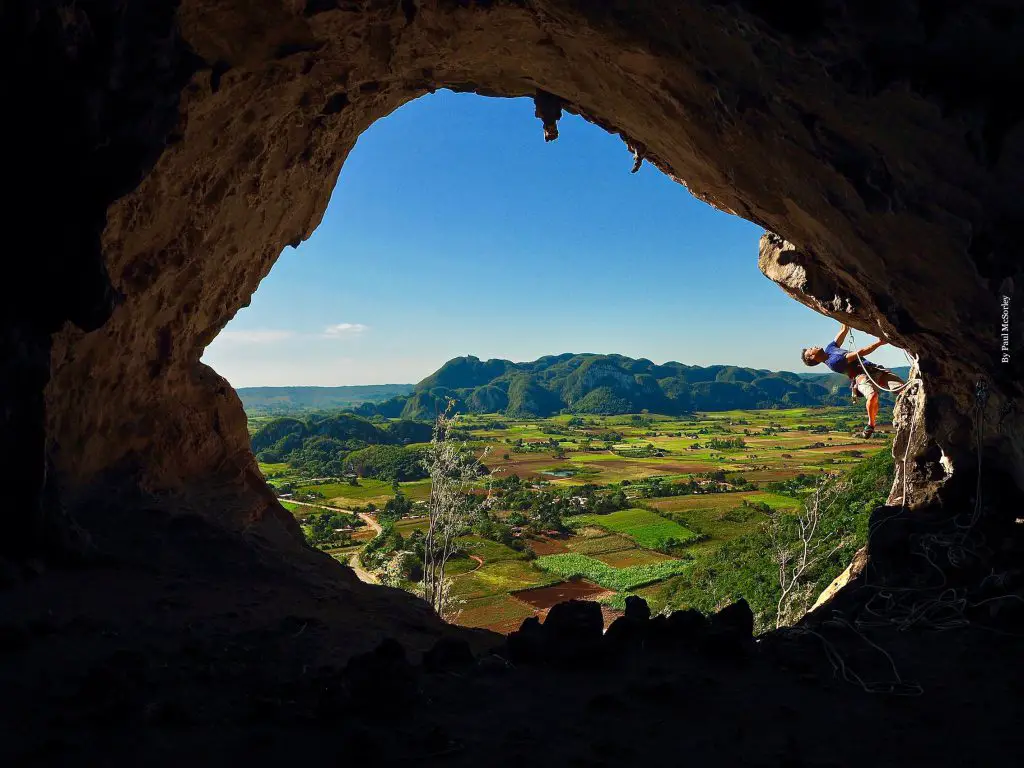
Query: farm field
x=647 y=529
x=368 y=491
x=571 y=566
x=777 y=444
x=733 y=465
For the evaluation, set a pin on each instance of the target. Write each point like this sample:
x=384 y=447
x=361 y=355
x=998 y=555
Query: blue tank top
x=837 y=358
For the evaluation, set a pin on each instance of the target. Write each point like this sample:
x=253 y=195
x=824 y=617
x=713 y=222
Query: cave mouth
x=491 y=216
x=185 y=144
x=199 y=151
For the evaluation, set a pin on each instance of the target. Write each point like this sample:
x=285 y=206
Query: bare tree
x=796 y=555
x=452 y=473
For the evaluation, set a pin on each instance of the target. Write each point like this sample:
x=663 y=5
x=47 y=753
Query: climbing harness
x=864 y=368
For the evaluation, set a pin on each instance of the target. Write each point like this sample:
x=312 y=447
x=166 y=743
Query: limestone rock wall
x=885 y=142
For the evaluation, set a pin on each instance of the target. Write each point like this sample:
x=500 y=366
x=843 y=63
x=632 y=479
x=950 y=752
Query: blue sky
x=456 y=230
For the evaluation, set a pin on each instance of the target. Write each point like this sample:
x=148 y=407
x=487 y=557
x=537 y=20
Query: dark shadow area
x=165 y=154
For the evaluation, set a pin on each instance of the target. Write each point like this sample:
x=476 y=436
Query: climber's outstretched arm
x=841 y=336
x=865 y=351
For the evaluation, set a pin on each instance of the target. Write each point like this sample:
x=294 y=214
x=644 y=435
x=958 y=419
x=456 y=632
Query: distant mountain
x=291 y=399
x=608 y=384
x=588 y=383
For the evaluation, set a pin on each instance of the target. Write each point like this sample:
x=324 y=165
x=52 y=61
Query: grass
x=490 y=551
x=302 y=511
x=504 y=570
x=712 y=514
x=499 y=613
x=500 y=578
x=298 y=510
x=722 y=501
x=334 y=490
x=659 y=595
x=344 y=554
x=600 y=544
x=627 y=558
x=572 y=565
x=376 y=491
x=410 y=524
x=647 y=529
x=274 y=469
x=459 y=565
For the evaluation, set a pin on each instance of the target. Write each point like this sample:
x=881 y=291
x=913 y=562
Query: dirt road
x=370 y=520
x=361 y=573
x=367 y=518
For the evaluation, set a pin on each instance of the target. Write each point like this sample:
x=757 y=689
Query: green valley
x=675 y=508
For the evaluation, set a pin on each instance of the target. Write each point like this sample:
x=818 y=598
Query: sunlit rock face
x=883 y=148
x=942 y=415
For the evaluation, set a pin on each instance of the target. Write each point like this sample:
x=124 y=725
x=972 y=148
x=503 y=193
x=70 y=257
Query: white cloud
x=254 y=337
x=344 y=329
x=267 y=336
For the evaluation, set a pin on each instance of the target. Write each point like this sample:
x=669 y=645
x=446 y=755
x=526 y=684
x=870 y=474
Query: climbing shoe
x=868 y=431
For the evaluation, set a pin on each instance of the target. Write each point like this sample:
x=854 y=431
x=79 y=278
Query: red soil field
x=630 y=557
x=547 y=545
x=544 y=598
x=526 y=465
x=574 y=589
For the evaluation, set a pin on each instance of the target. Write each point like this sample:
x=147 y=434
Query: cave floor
x=203 y=649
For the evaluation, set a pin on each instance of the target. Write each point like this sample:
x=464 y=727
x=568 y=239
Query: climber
x=866 y=378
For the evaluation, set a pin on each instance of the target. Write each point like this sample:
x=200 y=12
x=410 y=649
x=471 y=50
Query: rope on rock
x=894 y=687
x=941 y=607
x=906 y=456
x=938 y=606
x=980 y=401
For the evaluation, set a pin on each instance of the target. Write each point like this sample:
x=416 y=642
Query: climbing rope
x=906 y=451
x=980 y=401
x=864 y=368
x=896 y=686
x=913 y=361
x=939 y=606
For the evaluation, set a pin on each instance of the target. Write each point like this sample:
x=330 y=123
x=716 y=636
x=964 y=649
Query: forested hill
x=607 y=384
x=292 y=399
x=343 y=442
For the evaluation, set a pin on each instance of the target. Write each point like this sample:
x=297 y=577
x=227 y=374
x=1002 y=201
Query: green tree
x=396 y=508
